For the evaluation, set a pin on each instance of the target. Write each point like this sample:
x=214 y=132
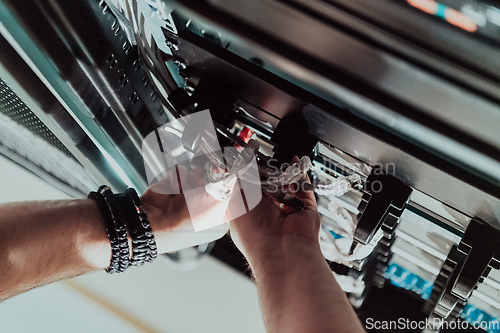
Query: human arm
x=43 y=242
x=297 y=290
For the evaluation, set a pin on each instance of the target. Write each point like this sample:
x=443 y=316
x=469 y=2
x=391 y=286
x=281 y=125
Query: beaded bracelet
x=121 y=230
x=122 y=213
x=140 y=247
x=146 y=226
x=110 y=229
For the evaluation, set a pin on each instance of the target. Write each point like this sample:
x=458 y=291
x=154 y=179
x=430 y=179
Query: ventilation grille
x=14 y=108
x=23 y=134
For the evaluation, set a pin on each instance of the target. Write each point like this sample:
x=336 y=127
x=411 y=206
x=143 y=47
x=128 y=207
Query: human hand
x=269 y=226
x=297 y=290
x=172 y=218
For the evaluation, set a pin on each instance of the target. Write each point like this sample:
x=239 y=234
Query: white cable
x=337 y=188
x=293 y=173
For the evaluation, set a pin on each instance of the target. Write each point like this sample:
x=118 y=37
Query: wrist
x=155 y=216
x=164 y=212
x=283 y=252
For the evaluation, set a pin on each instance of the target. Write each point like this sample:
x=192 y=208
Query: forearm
x=298 y=291
x=42 y=242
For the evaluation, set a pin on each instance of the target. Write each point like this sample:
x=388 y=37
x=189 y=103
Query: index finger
x=306 y=196
x=299 y=192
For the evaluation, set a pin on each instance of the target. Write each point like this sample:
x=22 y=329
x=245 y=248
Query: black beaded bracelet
x=122 y=213
x=110 y=229
x=135 y=230
x=152 y=254
x=120 y=228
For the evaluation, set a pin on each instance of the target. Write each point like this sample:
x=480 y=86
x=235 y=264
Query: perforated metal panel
x=14 y=108
x=26 y=140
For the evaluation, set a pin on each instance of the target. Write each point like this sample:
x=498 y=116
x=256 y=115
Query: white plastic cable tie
x=349 y=284
x=294 y=172
x=338 y=187
x=342 y=217
x=221 y=190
